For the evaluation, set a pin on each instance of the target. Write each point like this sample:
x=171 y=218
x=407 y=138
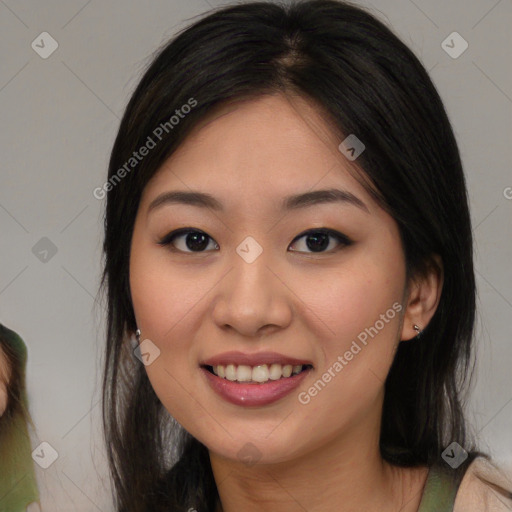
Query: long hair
x=365 y=81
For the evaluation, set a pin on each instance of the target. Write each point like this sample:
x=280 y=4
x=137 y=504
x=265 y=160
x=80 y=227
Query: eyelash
x=168 y=239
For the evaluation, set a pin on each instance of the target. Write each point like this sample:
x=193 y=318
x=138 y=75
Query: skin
x=292 y=300
x=4 y=378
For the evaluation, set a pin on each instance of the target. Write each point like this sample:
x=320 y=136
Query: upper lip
x=258 y=358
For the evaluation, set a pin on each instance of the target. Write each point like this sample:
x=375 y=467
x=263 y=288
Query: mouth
x=258 y=374
x=254 y=386
x=254 y=379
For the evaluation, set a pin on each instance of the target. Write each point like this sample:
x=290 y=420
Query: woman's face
x=251 y=282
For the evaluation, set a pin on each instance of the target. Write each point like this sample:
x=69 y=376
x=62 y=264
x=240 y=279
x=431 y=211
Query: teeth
x=276 y=371
x=260 y=373
x=243 y=373
x=230 y=372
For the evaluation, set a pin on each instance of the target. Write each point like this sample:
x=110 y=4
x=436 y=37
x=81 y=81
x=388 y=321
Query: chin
x=252 y=450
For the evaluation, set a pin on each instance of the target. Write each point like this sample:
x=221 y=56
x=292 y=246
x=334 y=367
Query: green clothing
x=18 y=485
x=440 y=491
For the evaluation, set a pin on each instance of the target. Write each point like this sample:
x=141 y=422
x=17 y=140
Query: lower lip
x=254 y=394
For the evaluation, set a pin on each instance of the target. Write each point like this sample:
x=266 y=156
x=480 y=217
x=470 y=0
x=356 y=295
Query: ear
x=424 y=293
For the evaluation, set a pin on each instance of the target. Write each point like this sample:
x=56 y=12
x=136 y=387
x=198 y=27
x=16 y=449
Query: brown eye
x=194 y=240
x=318 y=240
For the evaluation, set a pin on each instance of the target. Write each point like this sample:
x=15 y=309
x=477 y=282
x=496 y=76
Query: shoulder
x=485 y=488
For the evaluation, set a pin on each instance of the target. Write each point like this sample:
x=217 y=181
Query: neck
x=345 y=474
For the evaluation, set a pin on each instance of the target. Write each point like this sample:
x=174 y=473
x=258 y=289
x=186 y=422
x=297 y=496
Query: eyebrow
x=294 y=202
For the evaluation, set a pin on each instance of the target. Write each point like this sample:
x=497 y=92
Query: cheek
x=167 y=301
x=352 y=298
x=164 y=294
x=360 y=309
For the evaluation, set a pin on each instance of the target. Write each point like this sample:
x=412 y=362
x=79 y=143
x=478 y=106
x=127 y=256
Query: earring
x=418 y=331
x=137 y=335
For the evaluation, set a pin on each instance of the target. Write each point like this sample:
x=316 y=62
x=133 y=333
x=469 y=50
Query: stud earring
x=418 y=331
x=137 y=335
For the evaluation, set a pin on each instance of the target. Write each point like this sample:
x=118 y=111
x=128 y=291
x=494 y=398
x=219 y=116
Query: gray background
x=59 y=119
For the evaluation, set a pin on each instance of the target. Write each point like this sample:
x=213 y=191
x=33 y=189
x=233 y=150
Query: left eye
x=318 y=239
x=196 y=241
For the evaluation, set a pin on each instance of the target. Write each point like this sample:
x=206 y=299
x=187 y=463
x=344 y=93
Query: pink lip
x=253 y=394
x=238 y=358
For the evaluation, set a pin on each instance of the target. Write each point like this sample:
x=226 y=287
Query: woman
x=18 y=486
x=287 y=237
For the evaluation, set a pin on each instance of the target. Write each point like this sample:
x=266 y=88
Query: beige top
x=484 y=488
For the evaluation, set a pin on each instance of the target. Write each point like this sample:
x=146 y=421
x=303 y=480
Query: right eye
x=194 y=240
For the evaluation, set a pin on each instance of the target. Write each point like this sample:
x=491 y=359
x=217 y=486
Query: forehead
x=259 y=150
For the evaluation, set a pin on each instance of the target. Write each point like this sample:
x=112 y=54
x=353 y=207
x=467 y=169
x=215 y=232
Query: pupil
x=194 y=245
x=322 y=241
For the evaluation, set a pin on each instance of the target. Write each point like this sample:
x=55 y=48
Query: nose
x=253 y=298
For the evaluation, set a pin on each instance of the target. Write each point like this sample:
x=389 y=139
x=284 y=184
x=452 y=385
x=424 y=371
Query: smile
x=254 y=393
x=256 y=374
x=254 y=379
